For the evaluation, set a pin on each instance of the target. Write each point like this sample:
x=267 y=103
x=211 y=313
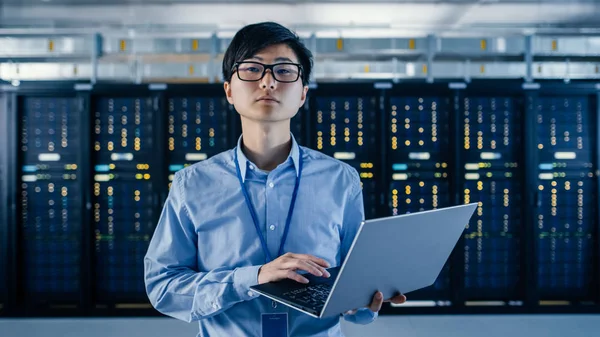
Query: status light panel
x=346 y=129
x=123 y=193
x=197 y=130
x=50 y=198
x=492 y=144
x=566 y=193
x=418 y=148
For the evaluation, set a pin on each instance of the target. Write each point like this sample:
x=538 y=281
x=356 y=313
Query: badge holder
x=274 y=325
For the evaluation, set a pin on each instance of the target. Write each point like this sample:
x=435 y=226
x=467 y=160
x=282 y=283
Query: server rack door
x=492 y=174
x=418 y=163
x=567 y=198
x=50 y=204
x=346 y=127
x=4 y=224
x=125 y=199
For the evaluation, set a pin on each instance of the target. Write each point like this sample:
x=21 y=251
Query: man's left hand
x=378 y=300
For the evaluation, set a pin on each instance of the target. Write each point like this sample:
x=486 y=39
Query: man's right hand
x=286 y=266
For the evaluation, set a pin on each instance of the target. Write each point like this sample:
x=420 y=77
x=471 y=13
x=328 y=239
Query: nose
x=268 y=80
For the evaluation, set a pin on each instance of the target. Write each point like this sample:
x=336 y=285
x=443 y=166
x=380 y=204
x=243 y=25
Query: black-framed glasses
x=250 y=71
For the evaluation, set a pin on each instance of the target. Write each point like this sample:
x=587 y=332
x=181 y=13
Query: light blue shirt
x=205 y=252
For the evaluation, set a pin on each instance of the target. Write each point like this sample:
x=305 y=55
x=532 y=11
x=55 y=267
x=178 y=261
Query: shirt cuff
x=243 y=278
x=363 y=316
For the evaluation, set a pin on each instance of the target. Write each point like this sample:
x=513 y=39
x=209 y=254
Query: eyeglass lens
x=283 y=72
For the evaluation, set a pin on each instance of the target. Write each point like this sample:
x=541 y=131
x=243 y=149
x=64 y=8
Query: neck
x=266 y=144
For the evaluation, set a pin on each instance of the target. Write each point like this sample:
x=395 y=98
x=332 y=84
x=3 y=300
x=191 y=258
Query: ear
x=303 y=97
x=227 y=88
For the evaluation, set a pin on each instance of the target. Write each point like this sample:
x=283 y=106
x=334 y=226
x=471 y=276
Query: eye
x=250 y=69
x=283 y=71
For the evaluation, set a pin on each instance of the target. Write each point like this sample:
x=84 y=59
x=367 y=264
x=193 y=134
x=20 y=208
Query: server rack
x=4 y=227
x=45 y=253
x=490 y=166
x=529 y=295
x=124 y=191
x=565 y=213
x=418 y=137
x=352 y=136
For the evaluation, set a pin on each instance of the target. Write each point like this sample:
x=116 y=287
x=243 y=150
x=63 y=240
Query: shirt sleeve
x=174 y=285
x=354 y=214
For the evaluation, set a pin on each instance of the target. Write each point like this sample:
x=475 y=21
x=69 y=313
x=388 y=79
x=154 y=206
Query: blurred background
x=435 y=103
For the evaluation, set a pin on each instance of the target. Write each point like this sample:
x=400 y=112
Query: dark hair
x=252 y=38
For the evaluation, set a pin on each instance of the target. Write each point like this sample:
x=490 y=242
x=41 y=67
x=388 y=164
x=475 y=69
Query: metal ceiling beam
x=159 y=2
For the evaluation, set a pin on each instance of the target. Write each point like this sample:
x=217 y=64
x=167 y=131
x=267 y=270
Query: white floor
x=386 y=326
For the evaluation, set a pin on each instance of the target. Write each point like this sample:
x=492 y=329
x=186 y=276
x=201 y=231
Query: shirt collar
x=243 y=161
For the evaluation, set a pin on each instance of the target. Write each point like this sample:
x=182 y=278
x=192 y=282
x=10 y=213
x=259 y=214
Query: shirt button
x=250 y=293
x=271 y=185
x=272 y=227
x=215 y=305
x=251 y=167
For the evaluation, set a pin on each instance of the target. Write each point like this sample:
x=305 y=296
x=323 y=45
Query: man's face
x=267 y=100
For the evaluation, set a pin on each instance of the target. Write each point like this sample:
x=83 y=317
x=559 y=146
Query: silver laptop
x=397 y=254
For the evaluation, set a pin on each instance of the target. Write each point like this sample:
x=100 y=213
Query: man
x=264 y=211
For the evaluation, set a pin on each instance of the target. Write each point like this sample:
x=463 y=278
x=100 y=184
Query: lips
x=267 y=98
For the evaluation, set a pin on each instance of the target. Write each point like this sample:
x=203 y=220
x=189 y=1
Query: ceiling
x=171 y=2
x=419 y=17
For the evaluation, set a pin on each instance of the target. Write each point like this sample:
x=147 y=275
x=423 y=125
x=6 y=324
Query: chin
x=268 y=115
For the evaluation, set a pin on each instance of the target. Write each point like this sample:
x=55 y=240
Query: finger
x=377 y=302
x=302 y=265
x=292 y=275
x=310 y=267
x=398 y=299
x=323 y=270
x=314 y=259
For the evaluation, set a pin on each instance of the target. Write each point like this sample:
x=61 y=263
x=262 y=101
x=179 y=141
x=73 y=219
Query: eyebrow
x=279 y=59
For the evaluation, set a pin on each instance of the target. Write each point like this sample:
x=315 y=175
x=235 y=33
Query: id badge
x=275 y=325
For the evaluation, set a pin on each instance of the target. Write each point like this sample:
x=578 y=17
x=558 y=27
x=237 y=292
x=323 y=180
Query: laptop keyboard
x=313 y=296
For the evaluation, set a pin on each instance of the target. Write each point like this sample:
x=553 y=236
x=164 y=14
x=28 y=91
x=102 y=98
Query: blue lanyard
x=253 y=211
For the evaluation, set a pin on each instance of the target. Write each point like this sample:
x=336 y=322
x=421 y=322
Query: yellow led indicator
x=411 y=44
x=122 y=45
x=191 y=70
x=51 y=45
x=554 y=45
x=482 y=68
x=424 y=69
x=483 y=44
x=367 y=68
x=195 y=45
x=340 y=44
